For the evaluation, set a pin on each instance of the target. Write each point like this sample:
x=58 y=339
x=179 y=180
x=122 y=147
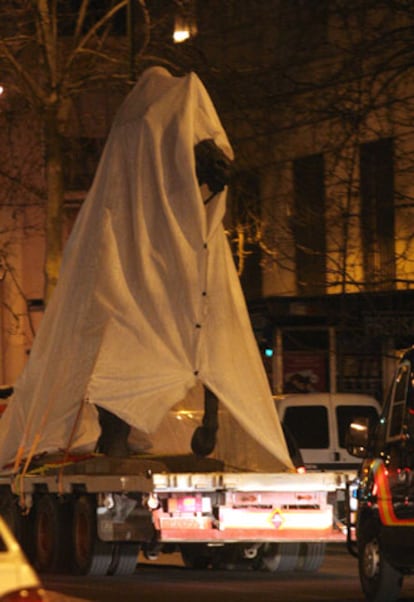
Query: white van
x=319 y=422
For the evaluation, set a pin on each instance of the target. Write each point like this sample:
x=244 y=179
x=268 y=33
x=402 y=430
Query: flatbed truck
x=93 y=515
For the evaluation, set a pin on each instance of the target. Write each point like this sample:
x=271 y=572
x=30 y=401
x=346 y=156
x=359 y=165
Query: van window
x=346 y=414
x=309 y=426
x=398 y=401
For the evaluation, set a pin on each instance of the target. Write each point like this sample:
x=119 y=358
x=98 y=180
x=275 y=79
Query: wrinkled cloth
x=148 y=302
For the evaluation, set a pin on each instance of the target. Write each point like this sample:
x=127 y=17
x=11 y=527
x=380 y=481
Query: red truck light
x=194 y=504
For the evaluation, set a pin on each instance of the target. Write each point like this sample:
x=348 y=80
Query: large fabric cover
x=148 y=303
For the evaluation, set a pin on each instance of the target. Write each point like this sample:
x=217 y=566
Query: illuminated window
x=377 y=213
x=308 y=224
x=398 y=402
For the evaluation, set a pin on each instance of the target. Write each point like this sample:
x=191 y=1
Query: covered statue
x=148 y=305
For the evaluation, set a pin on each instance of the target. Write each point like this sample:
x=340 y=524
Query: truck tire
x=279 y=557
x=91 y=556
x=380 y=581
x=235 y=557
x=20 y=523
x=124 y=559
x=51 y=534
x=311 y=556
x=195 y=555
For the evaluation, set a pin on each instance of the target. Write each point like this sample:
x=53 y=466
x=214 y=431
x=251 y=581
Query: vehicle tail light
x=187 y=503
x=31 y=594
x=301 y=469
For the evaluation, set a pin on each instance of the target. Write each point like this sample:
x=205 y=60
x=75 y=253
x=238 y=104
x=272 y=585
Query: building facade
x=329 y=136
x=317 y=100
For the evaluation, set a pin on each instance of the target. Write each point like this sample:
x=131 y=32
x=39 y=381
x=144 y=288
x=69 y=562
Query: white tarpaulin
x=148 y=302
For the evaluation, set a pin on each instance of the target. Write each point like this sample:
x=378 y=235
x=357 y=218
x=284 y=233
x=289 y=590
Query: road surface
x=169 y=581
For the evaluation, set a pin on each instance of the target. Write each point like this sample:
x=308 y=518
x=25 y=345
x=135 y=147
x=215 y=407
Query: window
x=243 y=217
x=359 y=357
x=309 y=224
x=398 y=401
x=346 y=414
x=81 y=160
x=377 y=213
x=69 y=11
x=303 y=25
x=305 y=360
x=308 y=425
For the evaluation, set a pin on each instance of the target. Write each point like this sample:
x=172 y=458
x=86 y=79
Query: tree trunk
x=54 y=203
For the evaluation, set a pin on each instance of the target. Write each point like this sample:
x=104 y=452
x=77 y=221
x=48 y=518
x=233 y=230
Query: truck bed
x=198 y=501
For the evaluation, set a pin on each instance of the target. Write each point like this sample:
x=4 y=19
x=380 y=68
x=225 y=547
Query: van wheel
x=311 y=556
x=380 y=581
x=91 y=556
x=280 y=557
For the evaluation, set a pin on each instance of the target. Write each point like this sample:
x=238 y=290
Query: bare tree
x=330 y=79
x=290 y=78
x=50 y=53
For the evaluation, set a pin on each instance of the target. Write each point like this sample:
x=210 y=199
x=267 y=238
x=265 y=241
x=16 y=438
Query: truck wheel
x=279 y=557
x=311 y=556
x=124 y=559
x=235 y=557
x=91 y=556
x=20 y=524
x=380 y=581
x=195 y=555
x=51 y=534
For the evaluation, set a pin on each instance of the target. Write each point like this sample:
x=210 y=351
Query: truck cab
x=384 y=525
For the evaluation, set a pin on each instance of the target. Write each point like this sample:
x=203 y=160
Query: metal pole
x=278 y=363
x=332 y=360
x=131 y=28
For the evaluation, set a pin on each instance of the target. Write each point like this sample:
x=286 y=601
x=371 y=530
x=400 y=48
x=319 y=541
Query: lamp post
x=185 y=26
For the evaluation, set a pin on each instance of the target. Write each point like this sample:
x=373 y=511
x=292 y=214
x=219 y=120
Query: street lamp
x=185 y=25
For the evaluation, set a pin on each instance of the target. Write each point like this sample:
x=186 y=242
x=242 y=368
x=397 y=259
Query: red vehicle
x=5 y=392
x=382 y=533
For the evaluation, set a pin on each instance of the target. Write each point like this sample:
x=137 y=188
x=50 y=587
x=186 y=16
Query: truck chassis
x=95 y=515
